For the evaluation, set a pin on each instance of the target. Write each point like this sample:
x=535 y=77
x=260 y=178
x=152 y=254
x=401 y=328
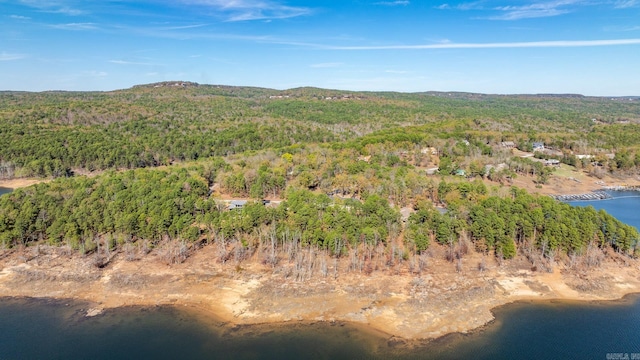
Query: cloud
x=508 y=45
x=621 y=28
x=246 y=10
x=68 y=11
x=476 y=5
x=123 y=62
x=19 y=17
x=9 y=57
x=625 y=4
x=54 y=7
x=535 y=10
x=326 y=65
x=75 y=26
x=393 y=3
x=183 y=27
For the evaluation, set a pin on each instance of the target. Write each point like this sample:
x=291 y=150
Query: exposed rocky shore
x=441 y=299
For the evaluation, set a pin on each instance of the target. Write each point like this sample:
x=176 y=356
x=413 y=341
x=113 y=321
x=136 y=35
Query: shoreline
x=18 y=183
x=338 y=334
x=404 y=308
x=219 y=324
x=394 y=302
x=598 y=194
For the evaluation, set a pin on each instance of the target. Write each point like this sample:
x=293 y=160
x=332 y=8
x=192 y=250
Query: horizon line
x=335 y=89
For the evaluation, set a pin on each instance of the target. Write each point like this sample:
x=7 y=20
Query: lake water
x=48 y=329
x=625 y=206
x=5 y=190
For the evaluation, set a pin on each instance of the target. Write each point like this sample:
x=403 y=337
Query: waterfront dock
x=596 y=195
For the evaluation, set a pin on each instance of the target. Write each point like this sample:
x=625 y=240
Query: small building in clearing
x=236 y=204
x=538 y=146
x=580 y=157
x=432 y=171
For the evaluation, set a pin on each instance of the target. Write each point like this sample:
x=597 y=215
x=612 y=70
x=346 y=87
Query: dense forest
x=343 y=173
x=139 y=210
x=52 y=134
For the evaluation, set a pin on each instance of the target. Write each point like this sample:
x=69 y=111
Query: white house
x=538 y=146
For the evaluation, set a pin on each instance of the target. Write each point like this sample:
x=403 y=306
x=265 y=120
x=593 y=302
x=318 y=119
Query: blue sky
x=590 y=47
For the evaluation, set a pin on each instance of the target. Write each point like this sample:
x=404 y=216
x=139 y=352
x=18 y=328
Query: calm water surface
x=5 y=190
x=44 y=329
x=625 y=206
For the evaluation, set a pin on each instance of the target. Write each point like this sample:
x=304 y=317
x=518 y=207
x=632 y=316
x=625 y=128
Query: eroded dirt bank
x=441 y=299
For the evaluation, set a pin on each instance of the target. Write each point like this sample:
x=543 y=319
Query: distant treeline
x=51 y=134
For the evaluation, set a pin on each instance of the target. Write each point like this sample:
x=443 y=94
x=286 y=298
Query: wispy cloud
x=535 y=10
x=393 y=3
x=326 y=65
x=68 y=11
x=174 y=33
x=245 y=10
x=475 y=5
x=75 y=26
x=8 y=56
x=622 y=28
x=54 y=7
x=624 y=4
x=19 y=17
x=184 y=27
x=124 y=62
x=506 y=45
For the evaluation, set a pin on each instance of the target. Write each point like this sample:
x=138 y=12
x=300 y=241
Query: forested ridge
x=343 y=164
x=53 y=133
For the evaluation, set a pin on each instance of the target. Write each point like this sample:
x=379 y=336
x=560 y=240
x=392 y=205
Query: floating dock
x=596 y=195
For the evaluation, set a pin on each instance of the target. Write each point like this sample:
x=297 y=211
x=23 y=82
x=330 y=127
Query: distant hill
x=48 y=133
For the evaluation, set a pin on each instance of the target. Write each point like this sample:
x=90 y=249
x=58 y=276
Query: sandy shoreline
x=20 y=183
x=391 y=303
x=405 y=306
